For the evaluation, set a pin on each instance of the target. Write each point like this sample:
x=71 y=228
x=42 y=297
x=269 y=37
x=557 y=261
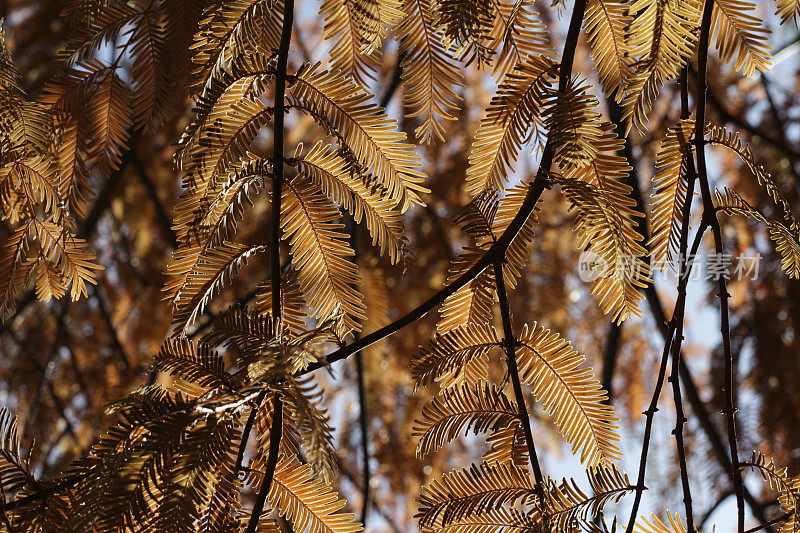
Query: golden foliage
x=307 y=501
x=346 y=111
x=570 y=394
x=662 y=38
x=463 y=409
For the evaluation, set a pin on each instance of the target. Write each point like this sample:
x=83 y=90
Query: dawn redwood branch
x=275 y=249
x=366 y=499
x=498 y=248
x=509 y=342
x=710 y=216
x=679 y=316
x=272 y=460
x=659 y=316
x=685 y=262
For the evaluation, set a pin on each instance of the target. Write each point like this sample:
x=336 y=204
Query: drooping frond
x=572 y=395
x=468 y=25
x=718 y=135
x=518 y=249
x=507 y=446
x=669 y=191
x=471 y=491
x=307 y=501
x=482 y=408
x=303 y=403
x=320 y=252
x=573 y=124
x=788 y=10
x=513 y=118
x=472 y=303
x=450 y=352
x=347 y=111
x=191 y=361
x=214 y=268
x=655 y=525
x=17 y=479
x=518 y=34
x=429 y=74
x=497 y=520
x=787 y=487
x=232 y=29
x=341 y=182
x=787 y=241
x=662 y=39
x=606 y=23
x=355 y=28
x=605 y=231
x=154 y=466
x=568 y=506
x=741 y=34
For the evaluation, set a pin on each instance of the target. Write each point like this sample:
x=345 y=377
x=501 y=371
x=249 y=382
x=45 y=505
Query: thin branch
x=710 y=216
x=498 y=248
x=509 y=340
x=782 y=518
x=272 y=461
x=275 y=250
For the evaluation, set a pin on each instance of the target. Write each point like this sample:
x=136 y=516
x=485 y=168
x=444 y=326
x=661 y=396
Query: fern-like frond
x=787 y=487
x=342 y=183
x=788 y=10
x=231 y=30
x=472 y=303
x=674 y=524
x=518 y=34
x=293 y=305
x=195 y=362
x=471 y=491
x=481 y=408
x=787 y=242
x=669 y=191
x=320 y=252
x=303 y=403
x=355 y=28
x=497 y=520
x=573 y=124
x=718 y=135
x=448 y=353
x=307 y=501
x=513 y=118
x=215 y=267
x=572 y=395
x=606 y=23
x=741 y=34
x=662 y=38
x=607 y=233
x=429 y=73
x=568 y=506
x=346 y=110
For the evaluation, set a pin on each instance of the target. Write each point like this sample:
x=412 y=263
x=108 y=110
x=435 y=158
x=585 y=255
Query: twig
x=275 y=250
x=782 y=518
x=498 y=248
x=710 y=215
x=509 y=340
x=272 y=461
